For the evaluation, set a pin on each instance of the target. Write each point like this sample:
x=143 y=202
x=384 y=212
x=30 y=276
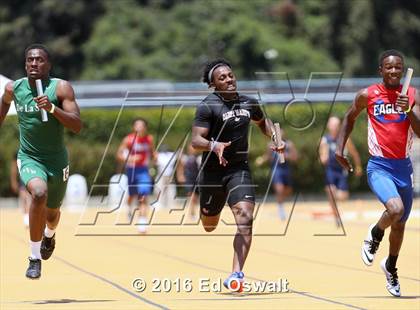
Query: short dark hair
x=388 y=53
x=141 y=120
x=38 y=47
x=212 y=65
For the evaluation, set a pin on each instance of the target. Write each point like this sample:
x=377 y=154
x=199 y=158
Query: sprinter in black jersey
x=220 y=129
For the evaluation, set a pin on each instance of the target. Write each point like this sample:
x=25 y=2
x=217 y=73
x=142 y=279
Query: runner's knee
x=395 y=210
x=244 y=220
x=39 y=194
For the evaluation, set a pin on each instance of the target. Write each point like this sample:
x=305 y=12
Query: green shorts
x=54 y=171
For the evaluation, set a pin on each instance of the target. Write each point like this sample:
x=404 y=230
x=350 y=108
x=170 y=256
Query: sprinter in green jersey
x=42 y=159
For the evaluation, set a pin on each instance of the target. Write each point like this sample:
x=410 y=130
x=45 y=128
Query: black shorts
x=221 y=184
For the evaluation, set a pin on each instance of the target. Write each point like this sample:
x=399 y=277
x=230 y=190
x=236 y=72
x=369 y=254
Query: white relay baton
x=407 y=81
x=40 y=92
x=278 y=141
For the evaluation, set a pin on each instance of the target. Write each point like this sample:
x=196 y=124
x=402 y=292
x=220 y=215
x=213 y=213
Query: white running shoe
x=392 y=283
x=369 y=248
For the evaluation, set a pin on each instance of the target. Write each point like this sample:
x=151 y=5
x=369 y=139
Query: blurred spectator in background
x=187 y=174
x=336 y=183
x=415 y=159
x=137 y=152
x=282 y=181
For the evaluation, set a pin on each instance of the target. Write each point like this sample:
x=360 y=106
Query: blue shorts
x=392 y=178
x=139 y=181
x=282 y=176
x=338 y=178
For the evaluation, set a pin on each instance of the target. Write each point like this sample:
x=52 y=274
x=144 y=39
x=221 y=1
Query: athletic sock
x=26 y=220
x=142 y=224
x=48 y=232
x=35 y=249
x=377 y=233
x=282 y=212
x=391 y=262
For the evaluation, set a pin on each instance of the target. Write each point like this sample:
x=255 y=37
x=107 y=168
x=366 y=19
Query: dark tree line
x=168 y=39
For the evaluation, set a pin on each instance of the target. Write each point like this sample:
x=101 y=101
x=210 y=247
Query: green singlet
x=42 y=153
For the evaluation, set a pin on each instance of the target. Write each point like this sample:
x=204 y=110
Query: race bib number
x=66 y=172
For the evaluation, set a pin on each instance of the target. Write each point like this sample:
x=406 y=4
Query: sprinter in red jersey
x=137 y=151
x=393 y=118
